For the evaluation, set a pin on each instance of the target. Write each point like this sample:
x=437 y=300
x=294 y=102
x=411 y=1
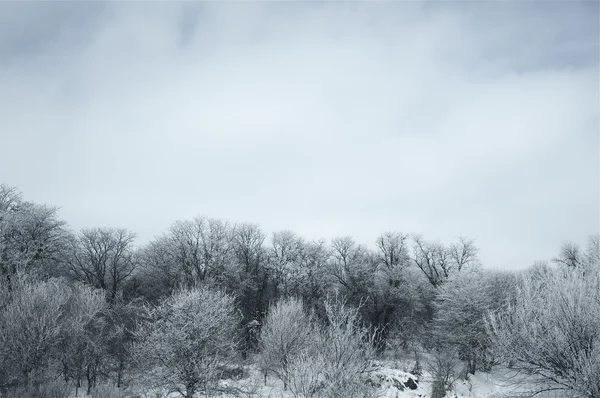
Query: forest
x=213 y=308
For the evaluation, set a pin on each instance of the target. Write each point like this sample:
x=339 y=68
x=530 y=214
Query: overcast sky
x=329 y=119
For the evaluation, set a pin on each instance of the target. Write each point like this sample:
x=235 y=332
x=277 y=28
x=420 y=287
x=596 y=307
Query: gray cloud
x=325 y=118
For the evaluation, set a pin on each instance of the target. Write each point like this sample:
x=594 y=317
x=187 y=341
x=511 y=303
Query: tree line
x=89 y=308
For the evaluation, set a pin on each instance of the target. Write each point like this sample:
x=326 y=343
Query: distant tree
x=382 y=284
x=344 y=251
x=551 y=332
x=311 y=282
x=248 y=242
x=247 y=274
x=190 y=339
x=159 y=275
x=463 y=253
x=283 y=262
x=438 y=262
x=190 y=252
x=571 y=255
x=200 y=246
x=392 y=249
x=104 y=258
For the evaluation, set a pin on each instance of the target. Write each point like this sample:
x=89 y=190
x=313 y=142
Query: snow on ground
x=390 y=377
x=392 y=383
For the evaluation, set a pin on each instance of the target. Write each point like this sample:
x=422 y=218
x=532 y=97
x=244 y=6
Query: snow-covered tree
x=318 y=358
x=191 y=251
x=460 y=309
x=551 y=332
x=287 y=332
x=345 y=351
x=192 y=336
x=283 y=261
x=38 y=322
x=459 y=316
x=392 y=296
x=32 y=238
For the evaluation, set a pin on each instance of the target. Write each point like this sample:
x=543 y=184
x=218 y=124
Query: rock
x=410 y=383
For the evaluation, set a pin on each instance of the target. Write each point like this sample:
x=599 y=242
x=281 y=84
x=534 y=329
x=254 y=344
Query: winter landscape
x=289 y=199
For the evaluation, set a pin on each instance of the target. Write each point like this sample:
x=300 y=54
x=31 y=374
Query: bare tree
x=201 y=246
x=190 y=252
x=463 y=253
x=104 y=258
x=572 y=256
x=393 y=250
x=433 y=259
x=344 y=250
x=438 y=262
x=352 y=265
x=248 y=242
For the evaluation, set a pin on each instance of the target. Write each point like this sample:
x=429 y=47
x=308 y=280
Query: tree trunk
x=26 y=374
x=89 y=380
x=438 y=389
x=190 y=390
x=120 y=369
x=65 y=371
x=91 y=377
